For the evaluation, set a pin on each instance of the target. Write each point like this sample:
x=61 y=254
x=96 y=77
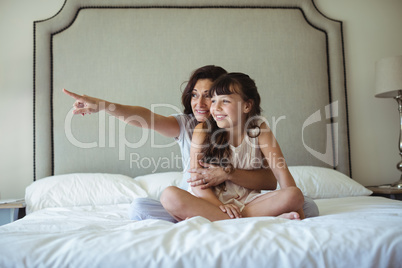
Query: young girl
x=236 y=138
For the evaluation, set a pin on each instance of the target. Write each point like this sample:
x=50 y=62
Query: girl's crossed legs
x=285 y=203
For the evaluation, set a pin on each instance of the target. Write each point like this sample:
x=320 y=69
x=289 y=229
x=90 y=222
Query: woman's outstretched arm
x=134 y=115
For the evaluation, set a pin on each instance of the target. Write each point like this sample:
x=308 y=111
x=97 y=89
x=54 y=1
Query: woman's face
x=200 y=101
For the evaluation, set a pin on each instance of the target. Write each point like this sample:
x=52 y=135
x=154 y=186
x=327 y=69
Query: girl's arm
x=273 y=155
x=195 y=156
x=134 y=115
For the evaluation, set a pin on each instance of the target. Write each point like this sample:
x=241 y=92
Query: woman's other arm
x=207 y=194
x=195 y=156
x=257 y=179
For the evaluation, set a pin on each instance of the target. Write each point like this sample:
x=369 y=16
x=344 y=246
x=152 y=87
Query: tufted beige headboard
x=140 y=52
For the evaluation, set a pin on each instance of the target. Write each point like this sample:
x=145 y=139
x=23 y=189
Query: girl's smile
x=219 y=117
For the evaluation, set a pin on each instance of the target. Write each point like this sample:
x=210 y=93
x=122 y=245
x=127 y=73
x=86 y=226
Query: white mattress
x=351 y=232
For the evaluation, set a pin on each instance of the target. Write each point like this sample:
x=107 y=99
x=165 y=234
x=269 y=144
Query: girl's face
x=229 y=111
x=200 y=101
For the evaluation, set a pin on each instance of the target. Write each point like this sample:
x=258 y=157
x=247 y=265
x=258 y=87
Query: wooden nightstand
x=386 y=191
x=11 y=210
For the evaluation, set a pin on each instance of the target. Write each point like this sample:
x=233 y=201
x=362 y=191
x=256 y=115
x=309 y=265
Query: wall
x=372 y=31
x=16 y=72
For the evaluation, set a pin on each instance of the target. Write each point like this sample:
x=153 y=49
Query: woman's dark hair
x=216 y=143
x=210 y=72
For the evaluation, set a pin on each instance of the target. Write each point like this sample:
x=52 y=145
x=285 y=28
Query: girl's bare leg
x=182 y=205
x=286 y=203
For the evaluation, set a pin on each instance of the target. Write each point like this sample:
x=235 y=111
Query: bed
x=87 y=170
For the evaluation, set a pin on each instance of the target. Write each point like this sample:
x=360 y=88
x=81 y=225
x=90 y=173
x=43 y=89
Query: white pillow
x=319 y=182
x=154 y=184
x=81 y=189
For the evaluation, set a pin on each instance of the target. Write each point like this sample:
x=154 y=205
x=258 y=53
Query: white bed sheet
x=351 y=232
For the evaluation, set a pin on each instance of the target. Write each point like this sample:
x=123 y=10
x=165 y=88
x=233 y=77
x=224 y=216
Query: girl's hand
x=85 y=104
x=208 y=176
x=231 y=210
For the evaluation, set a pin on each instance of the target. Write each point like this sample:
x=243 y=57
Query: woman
x=196 y=104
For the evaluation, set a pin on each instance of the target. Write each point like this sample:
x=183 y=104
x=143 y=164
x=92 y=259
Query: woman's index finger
x=71 y=94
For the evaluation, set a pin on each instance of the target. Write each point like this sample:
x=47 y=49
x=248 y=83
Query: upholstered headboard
x=140 y=52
